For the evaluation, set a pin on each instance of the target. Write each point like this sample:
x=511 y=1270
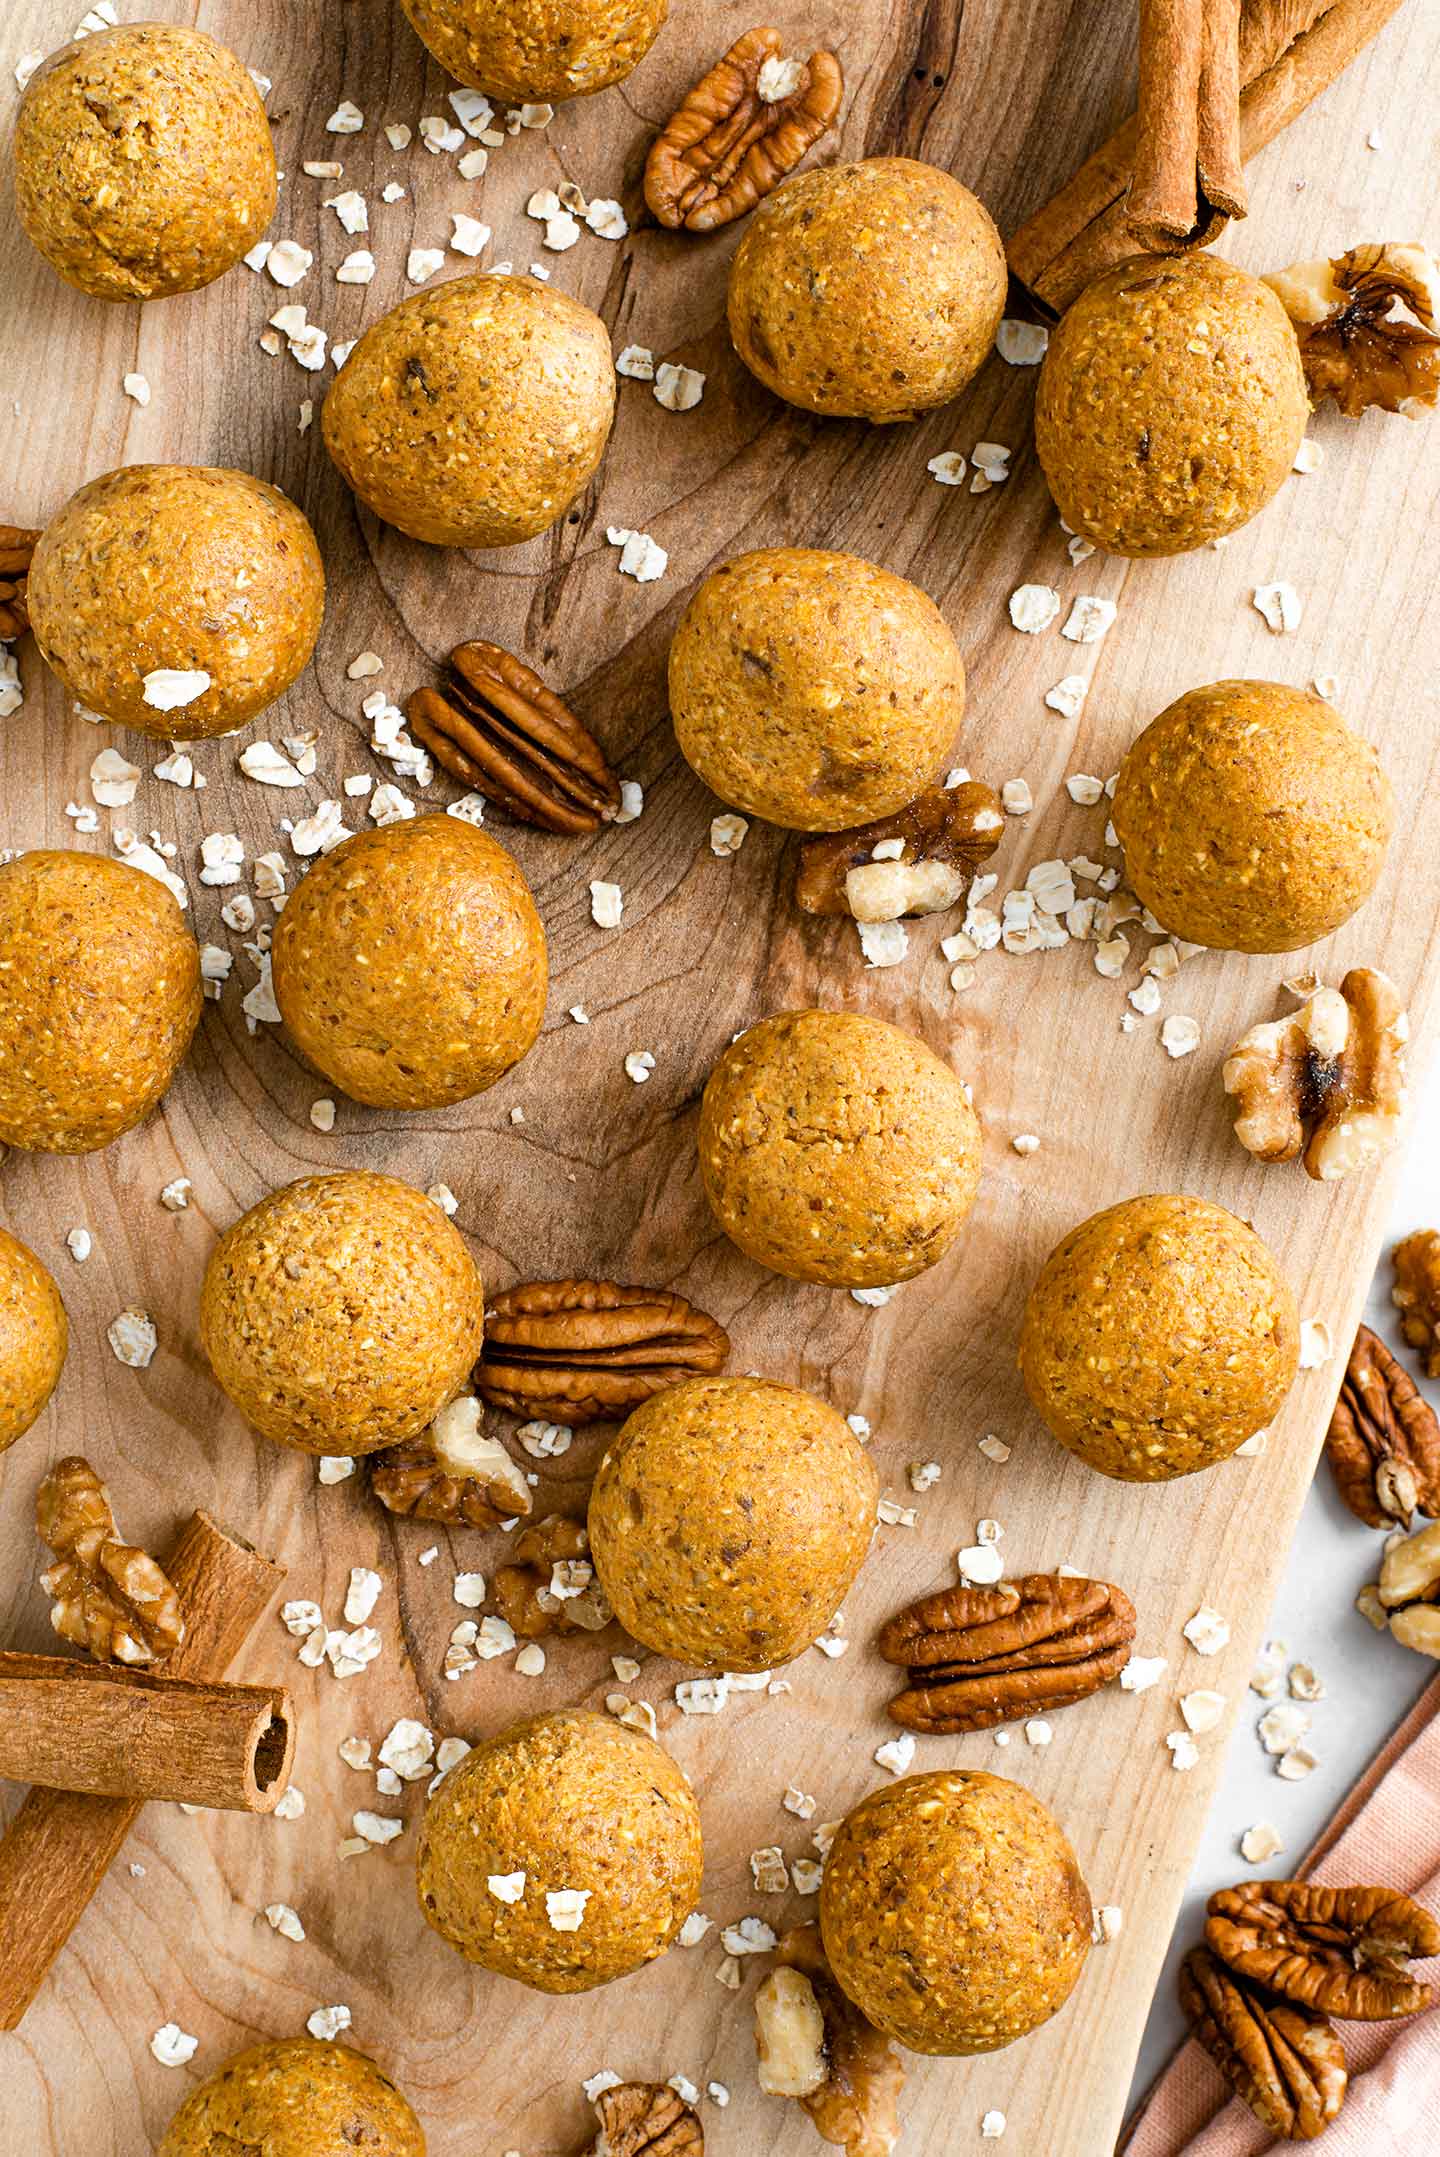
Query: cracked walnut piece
x=1416 y=1295
x=944 y=835
x=17 y=544
x=1285 y=2062
x=108 y=1596
x=646 y=2119
x=494 y=726
x=525 y=1594
x=1409 y=1591
x=1344 y=1951
x=591 y=1351
x=741 y=129
x=454 y=1473
x=1383 y=1443
x=976 y=1657
x=1328 y=1081
x=1366 y=326
x=816 y=2046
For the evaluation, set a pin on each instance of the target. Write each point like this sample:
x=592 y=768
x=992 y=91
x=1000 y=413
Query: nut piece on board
x=496 y=727
x=1366 y=325
x=1344 y=1951
x=741 y=129
x=1416 y=1295
x=1409 y=1590
x=815 y=2045
x=1383 y=1443
x=454 y=1473
x=1286 y=2064
x=1329 y=1079
x=108 y=1596
x=943 y=836
x=646 y=2119
x=590 y=1351
x=549 y=1585
x=976 y=1657
x=17 y=544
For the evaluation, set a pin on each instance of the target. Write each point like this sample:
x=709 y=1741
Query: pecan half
x=646 y=2119
x=1366 y=326
x=1383 y=1443
x=17 y=544
x=943 y=837
x=1416 y=1295
x=814 y=2044
x=590 y=1351
x=741 y=129
x=1286 y=2063
x=1328 y=1079
x=496 y=727
x=1344 y=1951
x=454 y=1473
x=976 y=1657
x=548 y=1586
x=108 y=1596
x=1407 y=1593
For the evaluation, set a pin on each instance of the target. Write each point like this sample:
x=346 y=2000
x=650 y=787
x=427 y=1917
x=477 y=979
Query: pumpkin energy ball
x=34 y=1336
x=177 y=599
x=953 y=1912
x=143 y=163
x=535 y=52
x=728 y=1520
x=837 y=1148
x=1252 y=818
x=342 y=1313
x=99 y=999
x=472 y=415
x=868 y=291
x=564 y=1852
x=1158 y=1338
x=814 y=689
x=1170 y=405
x=295 y=2097
x=409 y=964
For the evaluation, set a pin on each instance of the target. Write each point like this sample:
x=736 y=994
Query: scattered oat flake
x=1184 y=1752
x=565 y=1907
x=288 y=262
x=1021 y=344
x=1202 y=1710
x=678 y=388
x=112 y=780
x=358 y=268
x=1260 y=1843
x=263 y=762
x=1316 y=1346
x=1207 y=1632
x=1141 y=1672
x=1033 y=607
x=132 y=1338
x=1067 y=696
x=636 y=363
x=948 y=468
x=1107 y=1923
x=334 y=1468
x=1282 y=1727
x=328 y=2022
x=606 y=219
x=981 y=1565
x=1180 y=1036
x=992 y=2126
x=1089 y=619
x=468 y=236
x=883 y=943
x=422 y=262
x=1280 y=604
x=346 y=119
x=172 y=2046
x=641 y=557
x=1017 y=797
x=607 y=904
x=168 y=689
x=284 y=1920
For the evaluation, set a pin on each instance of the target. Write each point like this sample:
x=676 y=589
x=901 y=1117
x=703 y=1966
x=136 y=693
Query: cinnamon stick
x=118 y=1732
x=1219 y=167
x=1164 y=207
x=1289 y=51
x=60 y=1845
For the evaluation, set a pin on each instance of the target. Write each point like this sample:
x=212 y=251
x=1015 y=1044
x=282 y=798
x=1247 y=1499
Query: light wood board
x=600 y=1178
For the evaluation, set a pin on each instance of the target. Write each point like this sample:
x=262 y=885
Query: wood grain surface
x=600 y=1177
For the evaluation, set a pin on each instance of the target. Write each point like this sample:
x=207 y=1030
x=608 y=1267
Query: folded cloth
x=1387 y=1833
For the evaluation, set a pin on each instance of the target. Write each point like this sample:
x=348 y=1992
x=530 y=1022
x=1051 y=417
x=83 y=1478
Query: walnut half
x=108 y=1596
x=1366 y=326
x=918 y=861
x=1328 y=1082
x=814 y=2045
x=455 y=1473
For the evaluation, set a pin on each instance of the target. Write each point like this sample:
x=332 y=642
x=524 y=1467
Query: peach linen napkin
x=1386 y=1832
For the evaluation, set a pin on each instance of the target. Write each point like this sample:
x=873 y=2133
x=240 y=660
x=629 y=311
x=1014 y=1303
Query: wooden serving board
x=600 y=1177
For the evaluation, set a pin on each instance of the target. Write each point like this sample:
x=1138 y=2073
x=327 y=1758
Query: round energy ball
x=535 y=52
x=953 y=1912
x=34 y=1336
x=143 y=163
x=295 y=2097
x=837 y=1148
x=472 y=416
x=342 y=1313
x=409 y=964
x=1170 y=405
x=99 y=999
x=1158 y=1338
x=868 y=291
x=1252 y=818
x=814 y=689
x=565 y=1852
x=177 y=599
x=728 y=1520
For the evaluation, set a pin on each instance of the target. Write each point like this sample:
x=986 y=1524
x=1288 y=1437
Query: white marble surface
x=1370 y=1681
